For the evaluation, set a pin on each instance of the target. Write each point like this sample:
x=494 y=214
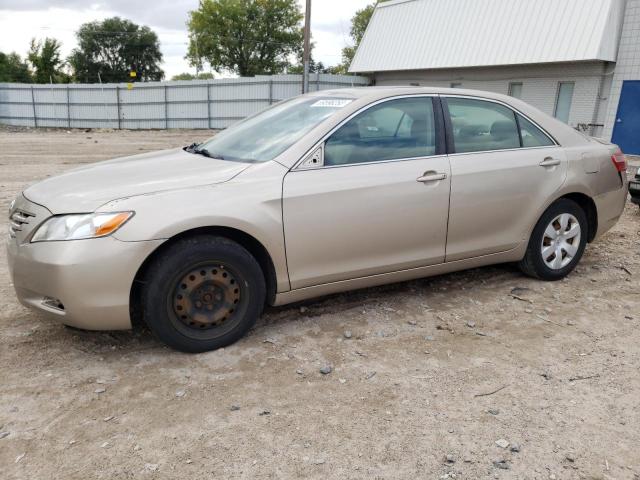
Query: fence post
x=118 y=104
x=166 y=118
x=208 y=105
x=270 y=91
x=317 y=82
x=33 y=104
x=68 y=108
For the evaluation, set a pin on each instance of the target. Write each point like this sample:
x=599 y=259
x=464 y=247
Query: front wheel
x=557 y=242
x=203 y=293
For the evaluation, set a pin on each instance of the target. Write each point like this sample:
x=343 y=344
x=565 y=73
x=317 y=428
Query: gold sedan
x=326 y=192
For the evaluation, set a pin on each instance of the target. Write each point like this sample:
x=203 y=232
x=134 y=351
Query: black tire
x=533 y=263
x=202 y=293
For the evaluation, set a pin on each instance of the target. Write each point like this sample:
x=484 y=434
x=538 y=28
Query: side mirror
x=314 y=160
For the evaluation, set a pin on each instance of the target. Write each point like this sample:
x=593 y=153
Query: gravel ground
x=479 y=374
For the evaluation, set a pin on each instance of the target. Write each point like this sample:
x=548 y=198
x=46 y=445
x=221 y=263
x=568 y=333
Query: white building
x=570 y=58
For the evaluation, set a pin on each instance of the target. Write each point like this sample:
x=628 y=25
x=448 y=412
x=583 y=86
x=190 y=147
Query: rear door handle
x=431 y=177
x=549 y=162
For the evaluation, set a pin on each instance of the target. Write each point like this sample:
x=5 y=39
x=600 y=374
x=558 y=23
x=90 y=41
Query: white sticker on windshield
x=331 y=103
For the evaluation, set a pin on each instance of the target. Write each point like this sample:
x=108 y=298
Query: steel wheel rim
x=560 y=241
x=207 y=300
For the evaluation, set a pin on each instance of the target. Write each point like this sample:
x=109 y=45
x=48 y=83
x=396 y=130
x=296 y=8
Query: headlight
x=77 y=227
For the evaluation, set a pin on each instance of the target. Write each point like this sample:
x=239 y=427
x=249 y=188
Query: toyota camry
x=322 y=193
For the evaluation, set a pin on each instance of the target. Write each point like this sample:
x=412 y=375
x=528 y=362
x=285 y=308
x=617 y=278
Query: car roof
x=379 y=92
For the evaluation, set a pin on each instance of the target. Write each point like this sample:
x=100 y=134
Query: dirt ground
x=410 y=394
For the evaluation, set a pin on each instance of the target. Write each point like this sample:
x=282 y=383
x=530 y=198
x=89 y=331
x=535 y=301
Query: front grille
x=17 y=221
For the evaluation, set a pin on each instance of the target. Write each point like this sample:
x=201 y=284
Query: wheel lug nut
x=198 y=304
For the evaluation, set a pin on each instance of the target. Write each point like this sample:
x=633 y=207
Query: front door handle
x=431 y=177
x=549 y=162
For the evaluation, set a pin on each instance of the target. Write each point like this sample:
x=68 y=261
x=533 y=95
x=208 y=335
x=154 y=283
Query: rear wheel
x=557 y=242
x=203 y=293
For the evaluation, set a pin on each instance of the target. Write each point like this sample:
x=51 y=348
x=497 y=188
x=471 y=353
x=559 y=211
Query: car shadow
x=449 y=288
x=424 y=288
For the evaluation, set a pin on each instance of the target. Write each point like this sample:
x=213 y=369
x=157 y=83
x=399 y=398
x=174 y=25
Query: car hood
x=87 y=188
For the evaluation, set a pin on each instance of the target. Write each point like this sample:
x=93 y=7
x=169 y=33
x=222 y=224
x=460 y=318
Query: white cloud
x=21 y=21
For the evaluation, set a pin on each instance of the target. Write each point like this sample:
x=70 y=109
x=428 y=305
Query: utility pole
x=195 y=41
x=307 y=47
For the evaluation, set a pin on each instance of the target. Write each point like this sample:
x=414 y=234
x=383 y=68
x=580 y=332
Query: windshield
x=266 y=135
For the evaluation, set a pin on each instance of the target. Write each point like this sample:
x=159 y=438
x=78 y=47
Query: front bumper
x=91 y=279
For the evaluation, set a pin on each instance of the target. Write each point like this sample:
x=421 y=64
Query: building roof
x=431 y=34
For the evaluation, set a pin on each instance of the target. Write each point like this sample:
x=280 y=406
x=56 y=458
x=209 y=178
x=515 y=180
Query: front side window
x=396 y=129
x=482 y=126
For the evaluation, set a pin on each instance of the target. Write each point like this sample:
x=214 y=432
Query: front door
x=625 y=130
x=503 y=169
x=378 y=202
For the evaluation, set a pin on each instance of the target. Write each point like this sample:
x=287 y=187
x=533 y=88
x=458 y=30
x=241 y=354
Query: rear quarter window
x=532 y=136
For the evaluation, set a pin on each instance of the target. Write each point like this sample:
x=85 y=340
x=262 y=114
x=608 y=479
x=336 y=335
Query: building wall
x=628 y=65
x=540 y=85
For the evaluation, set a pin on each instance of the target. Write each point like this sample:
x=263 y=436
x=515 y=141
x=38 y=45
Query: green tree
x=46 y=61
x=14 y=69
x=247 y=37
x=112 y=49
x=314 y=67
x=191 y=76
x=359 y=23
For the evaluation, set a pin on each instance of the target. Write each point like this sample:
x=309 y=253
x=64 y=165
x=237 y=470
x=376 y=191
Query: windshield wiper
x=207 y=153
x=193 y=148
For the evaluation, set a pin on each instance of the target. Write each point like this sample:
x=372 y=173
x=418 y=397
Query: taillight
x=619 y=161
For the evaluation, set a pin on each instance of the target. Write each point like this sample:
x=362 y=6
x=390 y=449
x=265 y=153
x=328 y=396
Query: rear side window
x=396 y=129
x=532 y=136
x=482 y=126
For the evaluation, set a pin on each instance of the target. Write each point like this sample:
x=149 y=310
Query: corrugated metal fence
x=179 y=104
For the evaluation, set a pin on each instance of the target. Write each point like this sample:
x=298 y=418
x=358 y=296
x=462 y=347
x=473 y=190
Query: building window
x=563 y=101
x=456 y=85
x=515 y=89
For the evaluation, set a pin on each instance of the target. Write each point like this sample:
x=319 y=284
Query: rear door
x=503 y=168
x=372 y=199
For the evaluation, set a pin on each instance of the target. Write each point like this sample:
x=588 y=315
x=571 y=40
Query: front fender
x=250 y=203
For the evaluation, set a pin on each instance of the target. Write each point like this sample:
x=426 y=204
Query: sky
x=21 y=20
